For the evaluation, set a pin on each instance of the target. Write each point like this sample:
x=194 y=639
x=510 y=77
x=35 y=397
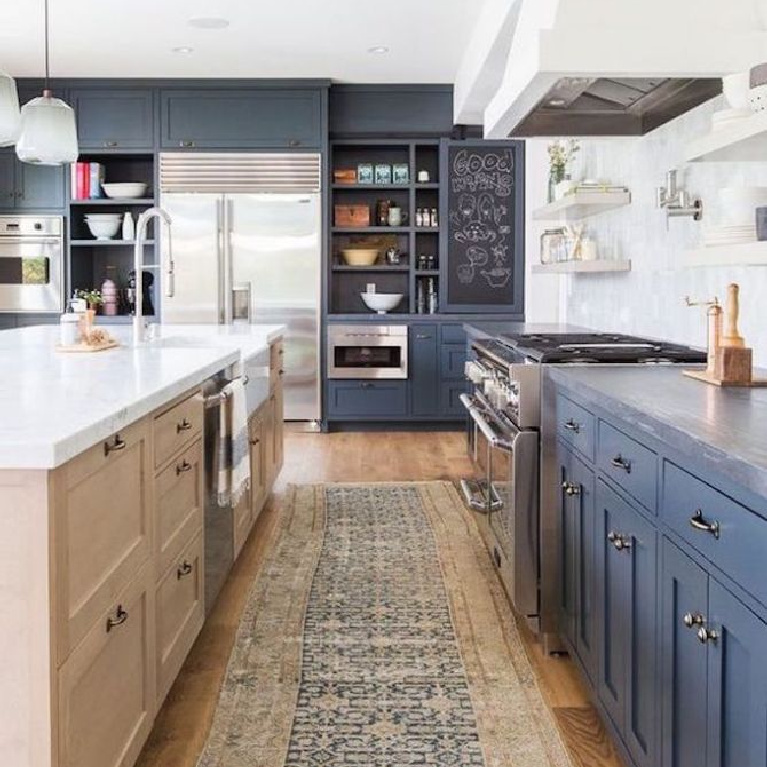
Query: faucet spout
x=139 y=327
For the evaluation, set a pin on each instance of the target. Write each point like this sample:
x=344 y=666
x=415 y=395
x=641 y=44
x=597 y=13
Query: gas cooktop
x=592 y=347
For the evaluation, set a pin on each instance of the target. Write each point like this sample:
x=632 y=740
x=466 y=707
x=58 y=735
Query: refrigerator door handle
x=228 y=266
x=220 y=259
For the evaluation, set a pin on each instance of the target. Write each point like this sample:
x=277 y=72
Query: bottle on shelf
x=434 y=217
x=433 y=300
x=129 y=229
x=109 y=293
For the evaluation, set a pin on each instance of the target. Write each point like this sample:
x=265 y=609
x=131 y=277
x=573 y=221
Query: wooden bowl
x=360 y=256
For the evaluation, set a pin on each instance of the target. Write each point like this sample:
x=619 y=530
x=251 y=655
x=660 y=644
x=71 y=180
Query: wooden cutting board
x=87 y=348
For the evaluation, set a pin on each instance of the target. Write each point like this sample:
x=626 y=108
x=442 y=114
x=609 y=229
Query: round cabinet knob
x=620 y=542
x=707 y=635
x=571 y=488
x=693 y=619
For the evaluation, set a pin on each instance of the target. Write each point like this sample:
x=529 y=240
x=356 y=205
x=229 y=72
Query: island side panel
x=25 y=629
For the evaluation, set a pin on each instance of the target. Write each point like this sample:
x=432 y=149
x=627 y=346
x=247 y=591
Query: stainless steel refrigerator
x=247 y=247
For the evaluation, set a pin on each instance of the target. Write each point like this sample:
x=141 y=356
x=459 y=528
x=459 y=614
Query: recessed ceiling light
x=208 y=22
x=182 y=49
x=379 y=49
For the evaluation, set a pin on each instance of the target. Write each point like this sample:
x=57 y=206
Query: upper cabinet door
x=241 y=119
x=7 y=180
x=114 y=120
x=39 y=187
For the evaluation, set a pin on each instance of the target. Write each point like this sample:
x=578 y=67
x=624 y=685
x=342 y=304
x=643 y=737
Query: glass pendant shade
x=10 y=117
x=48 y=132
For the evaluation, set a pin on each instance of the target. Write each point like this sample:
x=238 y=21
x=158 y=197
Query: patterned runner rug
x=378 y=635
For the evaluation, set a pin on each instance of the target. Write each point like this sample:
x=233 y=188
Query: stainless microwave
x=367 y=351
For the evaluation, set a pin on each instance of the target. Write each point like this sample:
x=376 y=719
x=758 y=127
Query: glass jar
x=553 y=245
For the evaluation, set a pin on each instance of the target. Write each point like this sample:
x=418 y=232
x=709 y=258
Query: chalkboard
x=484 y=243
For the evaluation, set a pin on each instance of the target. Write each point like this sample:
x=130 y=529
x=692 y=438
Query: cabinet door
x=240 y=118
x=39 y=187
x=279 y=428
x=424 y=370
x=367 y=399
x=684 y=596
x=7 y=179
x=737 y=724
x=257 y=463
x=114 y=120
x=568 y=543
x=106 y=690
x=628 y=623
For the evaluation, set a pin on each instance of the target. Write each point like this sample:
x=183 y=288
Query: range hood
x=618 y=67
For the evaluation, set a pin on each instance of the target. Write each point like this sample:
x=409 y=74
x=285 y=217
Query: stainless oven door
x=31 y=274
x=508 y=460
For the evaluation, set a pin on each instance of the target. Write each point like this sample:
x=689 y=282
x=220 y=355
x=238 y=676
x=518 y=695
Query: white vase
x=563 y=188
x=129 y=230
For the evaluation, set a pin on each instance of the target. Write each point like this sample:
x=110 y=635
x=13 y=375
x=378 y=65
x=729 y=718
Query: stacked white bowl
x=103 y=226
x=737 y=215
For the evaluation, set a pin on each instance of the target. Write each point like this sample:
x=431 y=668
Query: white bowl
x=381 y=302
x=103 y=227
x=124 y=191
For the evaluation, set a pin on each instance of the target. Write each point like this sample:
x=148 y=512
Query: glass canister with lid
x=554 y=245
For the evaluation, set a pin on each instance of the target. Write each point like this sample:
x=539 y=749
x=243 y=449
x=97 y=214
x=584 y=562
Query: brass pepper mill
x=714 y=314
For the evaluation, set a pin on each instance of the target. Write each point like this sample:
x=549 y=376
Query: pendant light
x=10 y=117
x=48 y=131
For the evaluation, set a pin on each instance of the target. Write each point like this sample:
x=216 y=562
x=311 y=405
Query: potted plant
x=561 y=154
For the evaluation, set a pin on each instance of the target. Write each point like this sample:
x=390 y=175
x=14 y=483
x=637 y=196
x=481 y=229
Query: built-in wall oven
x=31 y=264
x=367 y=351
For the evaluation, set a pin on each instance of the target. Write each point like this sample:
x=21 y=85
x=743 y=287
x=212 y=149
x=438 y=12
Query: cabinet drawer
x=453 y=334
x=731 y=536
x=178 y=504
x=576 y=426
x=106 y=693
x=180 y=613
x=631 y=465
x=368 y=399
x=101 y=529
x=176 y=427
x=452 y=360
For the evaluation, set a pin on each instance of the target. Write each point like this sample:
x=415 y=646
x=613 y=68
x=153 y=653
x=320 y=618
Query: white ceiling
x=266 y=38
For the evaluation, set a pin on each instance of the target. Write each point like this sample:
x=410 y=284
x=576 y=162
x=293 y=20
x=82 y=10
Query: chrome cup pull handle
x=619 y=462
x=573 y=426
x=571 y=488
x=118 y=444
x=120 y=617
x=699 y=522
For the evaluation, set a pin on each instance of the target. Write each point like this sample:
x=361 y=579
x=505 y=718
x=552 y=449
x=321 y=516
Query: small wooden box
x=352 y=215
x=345 y=176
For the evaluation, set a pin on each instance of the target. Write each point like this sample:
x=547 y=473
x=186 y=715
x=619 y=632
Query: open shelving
x=583 y=267
x=742 y=141
x=346 y=282
x=581 y=204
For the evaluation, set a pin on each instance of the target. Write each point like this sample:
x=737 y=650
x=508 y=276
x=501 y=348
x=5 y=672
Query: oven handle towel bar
x=491 y=435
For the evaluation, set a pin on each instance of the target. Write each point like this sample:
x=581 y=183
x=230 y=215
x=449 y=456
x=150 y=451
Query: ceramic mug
x=761 y=224
x=397 y=217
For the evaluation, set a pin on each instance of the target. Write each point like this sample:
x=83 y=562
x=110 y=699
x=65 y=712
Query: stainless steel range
x=512 y=442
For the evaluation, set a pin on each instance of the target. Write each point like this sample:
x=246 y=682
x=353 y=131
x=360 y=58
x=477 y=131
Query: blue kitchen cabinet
x=451 y=406
x=367 y=400
x=114 y=120
x=684 y=596
x=25 y=187
x=628 y=620
x=240 y=118
x=578 y=558
x=736 y=640
x=424 y=370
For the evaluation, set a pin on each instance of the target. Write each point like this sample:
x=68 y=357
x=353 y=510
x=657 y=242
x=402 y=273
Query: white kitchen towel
x=234 y=451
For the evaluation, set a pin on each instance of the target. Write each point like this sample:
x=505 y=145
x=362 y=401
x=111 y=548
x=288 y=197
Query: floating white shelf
x=743 y=141
x=583 y=267
x=745 y=254
x=581 y=204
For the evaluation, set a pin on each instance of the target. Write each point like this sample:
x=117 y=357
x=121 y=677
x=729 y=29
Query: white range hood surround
x=672 y=48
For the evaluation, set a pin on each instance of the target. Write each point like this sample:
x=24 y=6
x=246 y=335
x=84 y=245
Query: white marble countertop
x=54 y=406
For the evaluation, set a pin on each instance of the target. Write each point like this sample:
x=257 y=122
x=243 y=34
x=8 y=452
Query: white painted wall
x=650 y=299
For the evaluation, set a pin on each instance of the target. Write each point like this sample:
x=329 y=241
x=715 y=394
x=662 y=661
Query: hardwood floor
x=182 y=724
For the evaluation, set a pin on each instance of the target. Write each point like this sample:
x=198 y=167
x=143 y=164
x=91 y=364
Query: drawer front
x=628 y=463
x=177 y=427
x=453 y=334
x=180 y=613
x=102 y=529
x=106 y=691
x=368 y=399
x=731 y=536
x=576 y=426
x=276 y=358
x=452 y=359
x=178 y=504
x=450 y=393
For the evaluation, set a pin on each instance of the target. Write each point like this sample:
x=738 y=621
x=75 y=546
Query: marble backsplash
x=649 y=300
